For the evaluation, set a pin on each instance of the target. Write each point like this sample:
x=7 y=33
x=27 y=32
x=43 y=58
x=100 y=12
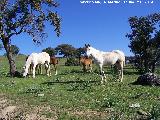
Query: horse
x=86 y=62
x=54 y=62
x=35 y=59
x=115 y=57
x=38 y=67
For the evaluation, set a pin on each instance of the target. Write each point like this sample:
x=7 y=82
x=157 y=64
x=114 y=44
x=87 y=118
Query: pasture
x=73 y=94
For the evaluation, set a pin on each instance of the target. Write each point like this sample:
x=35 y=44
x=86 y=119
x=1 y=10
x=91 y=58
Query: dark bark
x=153 y=67
x=6 y=44
x=146 y=67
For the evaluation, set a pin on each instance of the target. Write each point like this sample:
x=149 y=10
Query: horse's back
x=38 y=58
x=86 y=61
x=43 y=57
x=119 y=52
x=32 y=57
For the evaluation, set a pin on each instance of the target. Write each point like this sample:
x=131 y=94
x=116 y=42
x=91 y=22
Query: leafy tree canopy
x=26 y=16
x=66 y=50
x=15 y=50
x=50 y=51
x=145 y=41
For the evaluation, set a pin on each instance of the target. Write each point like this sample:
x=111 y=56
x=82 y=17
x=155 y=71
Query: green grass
x=73 y=94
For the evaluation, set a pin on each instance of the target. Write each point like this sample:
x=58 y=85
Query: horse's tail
x=122 y=55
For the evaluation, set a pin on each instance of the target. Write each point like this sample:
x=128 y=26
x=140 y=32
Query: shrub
x=72 y=62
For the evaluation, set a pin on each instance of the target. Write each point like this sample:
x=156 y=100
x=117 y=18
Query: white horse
x=115 y=57
x=37 y=59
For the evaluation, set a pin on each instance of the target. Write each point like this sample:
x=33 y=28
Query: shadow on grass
x=130 y=72
x=68 y=82
x=69 y=72
x=77 y=72
x=74 y=85
x=17 y=74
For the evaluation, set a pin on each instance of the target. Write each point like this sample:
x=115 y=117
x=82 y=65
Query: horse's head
x=88 y=50
x=24 y=71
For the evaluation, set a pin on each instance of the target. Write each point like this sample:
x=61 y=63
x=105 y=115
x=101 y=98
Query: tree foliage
x=50 y=51
x=145 y=41
x=80 y=51
x=15 y=50
x=26 y=16
x=66 y=50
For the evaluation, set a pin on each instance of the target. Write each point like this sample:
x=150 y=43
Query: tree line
x=65 y=50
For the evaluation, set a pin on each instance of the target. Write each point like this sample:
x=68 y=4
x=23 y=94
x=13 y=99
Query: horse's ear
x=86 y=45
x=89 y=45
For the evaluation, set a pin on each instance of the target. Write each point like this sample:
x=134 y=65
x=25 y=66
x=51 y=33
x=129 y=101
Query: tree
x=50 y=51
x=79 y=51
x=26 y=16
x=14 y=50
x=66 y=50
x=145 y=41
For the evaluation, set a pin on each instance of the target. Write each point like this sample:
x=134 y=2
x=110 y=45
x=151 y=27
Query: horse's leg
x=47 y=66
x=55 y=67
x=37 y=69
x=34 y=68
x=90 y=67
x=31 y=69
x=102 y=74
x=86 y=68
x=49 y=69
x=121 y=65
x=83 y=65
x=40 y=67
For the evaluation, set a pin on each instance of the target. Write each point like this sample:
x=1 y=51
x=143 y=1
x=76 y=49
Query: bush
x=72 y=62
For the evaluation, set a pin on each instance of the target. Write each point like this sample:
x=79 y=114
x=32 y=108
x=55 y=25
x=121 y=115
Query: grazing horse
x=37 y=58
x=54 y=62
x=38 y=67
x=86 y=63
x=115 y=57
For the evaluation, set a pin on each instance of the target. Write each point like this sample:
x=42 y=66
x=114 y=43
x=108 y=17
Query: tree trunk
x=153 y=67
x=11 y=60
x=146 y=67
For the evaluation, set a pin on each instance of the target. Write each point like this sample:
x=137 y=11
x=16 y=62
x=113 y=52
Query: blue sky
x=104 y=26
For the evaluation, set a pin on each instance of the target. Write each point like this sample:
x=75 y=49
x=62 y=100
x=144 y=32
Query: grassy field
x=75 y=95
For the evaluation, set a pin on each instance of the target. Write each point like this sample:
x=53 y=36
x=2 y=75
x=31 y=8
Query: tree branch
x=16 y=33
